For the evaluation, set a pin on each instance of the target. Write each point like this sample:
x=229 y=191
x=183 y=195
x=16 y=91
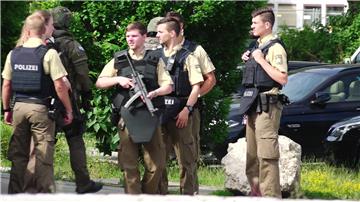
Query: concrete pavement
x=115 y=193
x=111 y=186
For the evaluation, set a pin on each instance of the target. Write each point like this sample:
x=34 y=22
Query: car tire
x=357 y=155
x=345 y=153
x=331 y=154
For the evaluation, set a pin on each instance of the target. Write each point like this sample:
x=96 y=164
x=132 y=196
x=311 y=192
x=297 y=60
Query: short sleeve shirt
x=204 y=60
x=51 y=63
x=191 y=64
x=276 y=55
x=163 y=76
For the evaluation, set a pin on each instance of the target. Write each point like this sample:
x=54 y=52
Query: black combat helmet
x=62 y=17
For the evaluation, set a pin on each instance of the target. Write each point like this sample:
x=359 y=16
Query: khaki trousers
x=154 y=163
x=182 y=140
x=196 y=132
x=77 y=161
x=262 y=157
x=31 y=121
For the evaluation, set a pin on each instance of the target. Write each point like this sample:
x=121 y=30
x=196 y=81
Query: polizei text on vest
x=26 y=67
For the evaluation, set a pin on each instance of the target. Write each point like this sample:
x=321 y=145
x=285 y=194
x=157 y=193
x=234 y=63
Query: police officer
x=74 y=59
x=117 y=73
x=34 y=74
x=177 y=121
x=151 y=41
x=265 y=73
x=208 y=72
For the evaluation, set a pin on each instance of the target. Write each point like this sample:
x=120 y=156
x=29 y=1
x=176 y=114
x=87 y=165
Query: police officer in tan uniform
x=265 y=73
x=178 y=121
x=74 y=59
x=34 y=74
x=208 y=72
x=113 y=75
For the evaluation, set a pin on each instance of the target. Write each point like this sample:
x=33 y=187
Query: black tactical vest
x=254 y=75
x=147 y=67
x=175 y=66
x=28 y=76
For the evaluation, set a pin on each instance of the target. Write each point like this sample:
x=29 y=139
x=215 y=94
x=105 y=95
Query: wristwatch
x=190 y=108
x=6 y=110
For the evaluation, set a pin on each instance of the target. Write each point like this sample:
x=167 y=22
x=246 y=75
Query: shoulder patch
x=81 y=48
x=278 y=59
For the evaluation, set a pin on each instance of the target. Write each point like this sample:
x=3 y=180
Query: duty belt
x=33 y=100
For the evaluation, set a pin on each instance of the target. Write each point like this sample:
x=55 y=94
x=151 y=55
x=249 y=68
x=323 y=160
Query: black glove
x=86 y=97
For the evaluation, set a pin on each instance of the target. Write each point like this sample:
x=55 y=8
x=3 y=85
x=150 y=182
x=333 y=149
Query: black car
x=319 y=96
x=342 y=144
x=294 y=65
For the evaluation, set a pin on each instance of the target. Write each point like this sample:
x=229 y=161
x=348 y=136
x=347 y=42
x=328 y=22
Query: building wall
x=297 y=13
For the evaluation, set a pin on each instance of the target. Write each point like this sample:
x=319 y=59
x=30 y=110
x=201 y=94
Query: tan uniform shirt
x=204 y=60
x=276 y=57
x=51 y=63
x=163 y=76
x=191 y=64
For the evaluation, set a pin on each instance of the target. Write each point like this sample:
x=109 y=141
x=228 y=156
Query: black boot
x=92 y=187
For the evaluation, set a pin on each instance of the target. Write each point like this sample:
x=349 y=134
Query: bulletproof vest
x=65 y=44
x=147 y=68
x=28 y=76
x=254 y=75
x=175 y=66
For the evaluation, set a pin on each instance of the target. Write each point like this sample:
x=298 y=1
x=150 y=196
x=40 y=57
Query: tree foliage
x=221 y=27
x=12 y=16
x=331 y=43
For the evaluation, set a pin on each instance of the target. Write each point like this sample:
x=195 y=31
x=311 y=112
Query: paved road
x=110 y=187
x=114 y=193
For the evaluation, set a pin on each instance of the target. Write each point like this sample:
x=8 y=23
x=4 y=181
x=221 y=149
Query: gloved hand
x=86 y=97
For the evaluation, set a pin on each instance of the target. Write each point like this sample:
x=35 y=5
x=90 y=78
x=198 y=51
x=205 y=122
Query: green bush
x=5 y=132
x=331 y=43
x=104 y=24
x=13 y=14
x=221 y=27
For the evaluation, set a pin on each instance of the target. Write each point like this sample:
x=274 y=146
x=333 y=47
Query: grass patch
x=318 y=180
x=208 y=176
x=98 y=168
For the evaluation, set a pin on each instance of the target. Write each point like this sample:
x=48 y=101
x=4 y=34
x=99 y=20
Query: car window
x=344 y=89
x=301 y=84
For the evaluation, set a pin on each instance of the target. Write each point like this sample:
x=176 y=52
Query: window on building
x=286 y=15
x=312 y=14
x=333 y=11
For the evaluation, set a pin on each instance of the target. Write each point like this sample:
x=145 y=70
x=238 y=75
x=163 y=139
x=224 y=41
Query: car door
x=308 y=123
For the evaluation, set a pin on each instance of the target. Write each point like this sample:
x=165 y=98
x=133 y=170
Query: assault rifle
x=139 y=87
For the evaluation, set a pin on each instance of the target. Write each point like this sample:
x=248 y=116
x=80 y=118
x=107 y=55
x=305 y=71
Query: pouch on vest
x=265 y=102
x=173 y=106
x=247 y=99
x=117 y=102
x=140 y=124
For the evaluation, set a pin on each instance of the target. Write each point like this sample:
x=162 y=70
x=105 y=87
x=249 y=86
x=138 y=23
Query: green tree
x=12 y=16
x=331 y=43
x=221 y=27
